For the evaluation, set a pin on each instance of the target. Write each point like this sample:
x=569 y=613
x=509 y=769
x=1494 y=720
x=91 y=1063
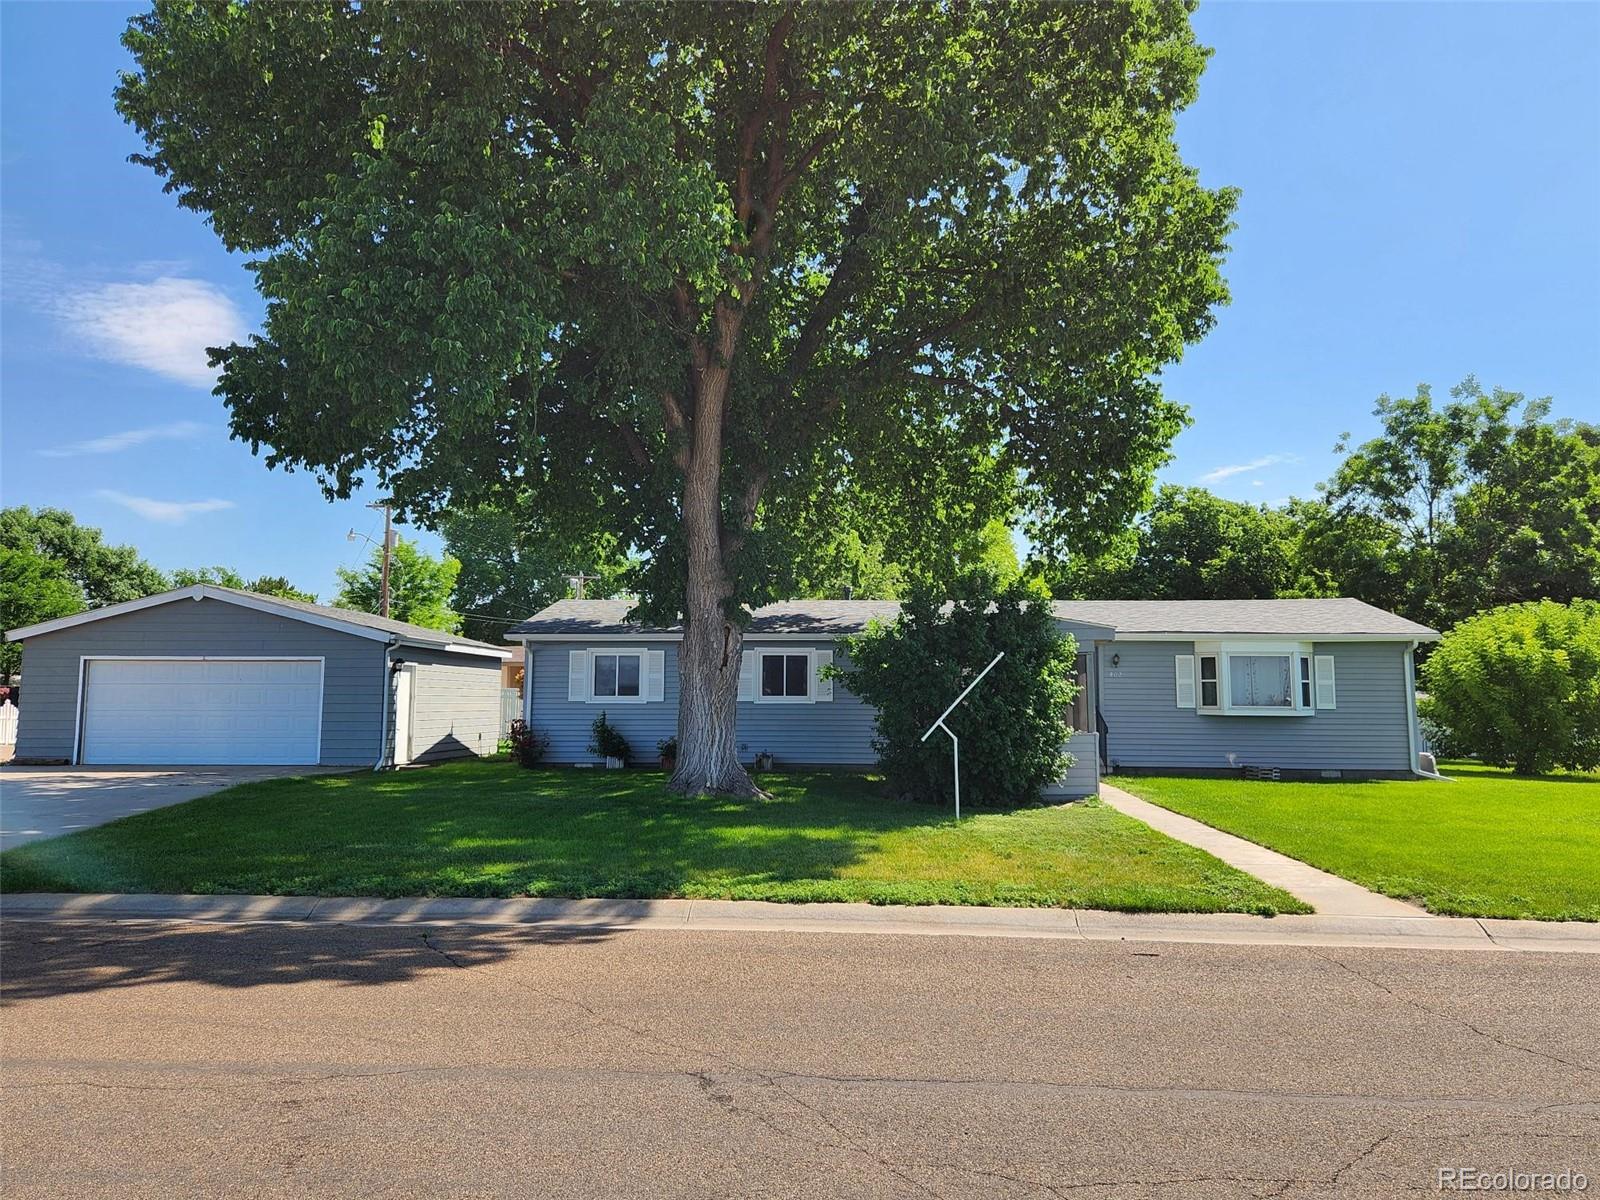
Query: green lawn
x=491 y=829
x=1487 y=844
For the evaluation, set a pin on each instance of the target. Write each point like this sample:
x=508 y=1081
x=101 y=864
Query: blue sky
x=1421 y=191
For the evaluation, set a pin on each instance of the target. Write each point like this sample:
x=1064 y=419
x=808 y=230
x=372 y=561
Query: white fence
x=8 y=724
x=510 y=708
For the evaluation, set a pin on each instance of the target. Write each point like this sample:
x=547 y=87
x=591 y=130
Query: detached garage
x=210 y=675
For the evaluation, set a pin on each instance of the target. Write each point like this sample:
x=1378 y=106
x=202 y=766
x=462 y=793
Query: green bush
x=526 y=744
x=1012 y=727
x=607 y=740
x=1519 y=686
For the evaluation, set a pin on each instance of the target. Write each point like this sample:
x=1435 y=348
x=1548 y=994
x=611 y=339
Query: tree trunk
x=708 y=656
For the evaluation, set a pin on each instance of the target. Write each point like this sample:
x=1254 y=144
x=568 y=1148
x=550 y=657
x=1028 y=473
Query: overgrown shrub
x=1012 y=727
x=527 y=744
x=1441 y=739
x=1519 y=686
x=606 y=739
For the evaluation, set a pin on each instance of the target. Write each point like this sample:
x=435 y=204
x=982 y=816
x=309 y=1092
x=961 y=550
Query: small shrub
x=1519 y=686
x=668 y=748
x=1012 y=728
x=526 y=744
x=607 y=740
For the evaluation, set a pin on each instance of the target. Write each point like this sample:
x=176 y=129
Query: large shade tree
x=703 y=272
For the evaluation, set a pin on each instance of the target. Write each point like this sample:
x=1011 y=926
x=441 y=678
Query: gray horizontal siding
x=351 y=689
x=835 y=732
x=455 y=704
x=1365 y=732
x=1083 y=776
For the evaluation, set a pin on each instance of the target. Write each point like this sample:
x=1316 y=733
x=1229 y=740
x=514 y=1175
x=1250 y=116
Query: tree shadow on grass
x=45 y=959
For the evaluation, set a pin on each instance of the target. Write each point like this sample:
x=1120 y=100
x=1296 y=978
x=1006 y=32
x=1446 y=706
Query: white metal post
x=955 y=742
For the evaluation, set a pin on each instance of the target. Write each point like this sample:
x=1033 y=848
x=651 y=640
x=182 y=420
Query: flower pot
x=613 y=764
x=669 y=764
x=763 y=761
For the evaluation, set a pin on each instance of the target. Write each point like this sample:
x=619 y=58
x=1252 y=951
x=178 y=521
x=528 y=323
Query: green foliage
x=32 y=589
x=512 y=566
x=266 y=585
x=1193 y=545
x=528 y=745
x=1519 y=686
x=1012 y=728
x=104 y=574
x=606 y=739
x=1460 y=505
x=502 y=246
x=419 y=587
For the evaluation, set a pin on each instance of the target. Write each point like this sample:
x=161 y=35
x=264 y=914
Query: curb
x=744 y=916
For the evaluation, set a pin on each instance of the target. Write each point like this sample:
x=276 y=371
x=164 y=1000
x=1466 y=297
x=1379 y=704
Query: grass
x=1488 y=844
x=491 y=829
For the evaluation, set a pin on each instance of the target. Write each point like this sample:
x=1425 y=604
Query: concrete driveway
x=41 y=802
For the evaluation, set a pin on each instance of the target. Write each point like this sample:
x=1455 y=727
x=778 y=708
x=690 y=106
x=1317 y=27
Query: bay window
x=1255 y=678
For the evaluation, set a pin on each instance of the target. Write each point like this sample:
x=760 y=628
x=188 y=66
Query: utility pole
x=577 y=581
x=388 y=548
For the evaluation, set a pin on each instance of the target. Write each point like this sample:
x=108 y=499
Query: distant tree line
x=1453 y=508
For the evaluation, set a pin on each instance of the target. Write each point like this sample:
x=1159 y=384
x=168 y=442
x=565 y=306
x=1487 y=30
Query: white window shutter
x=747 y=675
x=655 y=674
x=821 y=688
x=1184 y=664
x=1323 y=674
x=578 y=679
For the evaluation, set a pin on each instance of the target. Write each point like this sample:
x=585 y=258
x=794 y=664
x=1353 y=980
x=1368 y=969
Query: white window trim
x=1223 y=651
x=763 y=652
x=644 y=682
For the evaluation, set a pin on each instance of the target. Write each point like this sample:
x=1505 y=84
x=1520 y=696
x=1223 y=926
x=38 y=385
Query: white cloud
x=168 y=512
x=111 y=443
x=1255 y=464
x=164 y=326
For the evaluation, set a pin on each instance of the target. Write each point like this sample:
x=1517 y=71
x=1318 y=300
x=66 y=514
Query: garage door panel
x=202 y=711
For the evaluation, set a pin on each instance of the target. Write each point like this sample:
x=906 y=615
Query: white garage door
x=202 y=711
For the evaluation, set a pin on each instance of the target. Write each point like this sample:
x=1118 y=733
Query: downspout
x=1411 y=715
x=387 y=692
x=527 y=683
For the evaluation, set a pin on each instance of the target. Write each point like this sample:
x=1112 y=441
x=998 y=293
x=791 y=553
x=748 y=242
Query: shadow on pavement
x=43 y=959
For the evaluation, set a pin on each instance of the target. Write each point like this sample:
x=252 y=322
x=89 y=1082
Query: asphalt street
x=164 y=1060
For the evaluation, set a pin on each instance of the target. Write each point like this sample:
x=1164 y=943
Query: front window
x=616 y=675
x=1209 y=697
x=1305 y=681
x=785 y=676
x=1260 y=681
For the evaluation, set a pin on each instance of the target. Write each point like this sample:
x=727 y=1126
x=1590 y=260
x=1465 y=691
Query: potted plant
x=608 y=742
x=764 y=761
x=669 y=753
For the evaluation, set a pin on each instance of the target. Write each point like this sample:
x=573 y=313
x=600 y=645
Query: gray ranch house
x=212 y=675
x=1310 y=688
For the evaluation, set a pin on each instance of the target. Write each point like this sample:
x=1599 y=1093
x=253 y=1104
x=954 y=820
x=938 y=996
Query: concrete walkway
x=1330 y=895
x=1388 y=932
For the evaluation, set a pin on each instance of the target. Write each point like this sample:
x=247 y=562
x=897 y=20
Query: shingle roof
x=1334 y=616
x=833 y=618
x=411 y=633
x=820 y=618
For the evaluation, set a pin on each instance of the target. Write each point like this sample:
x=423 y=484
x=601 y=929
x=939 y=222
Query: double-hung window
x=785 y=676
x=617 y=675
